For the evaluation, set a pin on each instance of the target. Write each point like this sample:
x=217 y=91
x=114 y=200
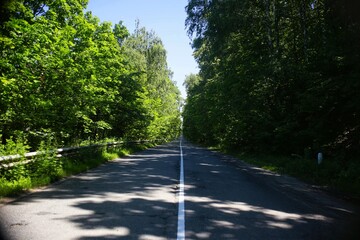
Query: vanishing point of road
x=142 y=196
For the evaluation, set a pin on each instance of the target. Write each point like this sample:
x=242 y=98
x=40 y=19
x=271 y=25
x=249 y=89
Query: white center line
x=181 y=211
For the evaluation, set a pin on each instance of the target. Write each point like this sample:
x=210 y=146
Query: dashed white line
x=181 y=210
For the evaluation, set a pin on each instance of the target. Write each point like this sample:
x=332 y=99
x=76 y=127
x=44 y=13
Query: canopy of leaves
x=275 y=76
x=64 y=75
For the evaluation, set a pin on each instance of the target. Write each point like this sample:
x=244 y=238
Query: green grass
x=339 y=178
x=8 y=188
x=27 y=178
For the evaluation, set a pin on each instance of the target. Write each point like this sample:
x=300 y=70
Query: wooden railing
x=13 y=160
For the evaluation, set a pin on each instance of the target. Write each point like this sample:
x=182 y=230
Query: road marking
x=181 y=211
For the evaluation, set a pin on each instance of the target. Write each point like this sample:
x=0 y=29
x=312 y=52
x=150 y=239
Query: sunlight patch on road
x=113 y=233
x=238 y=207
x=283 y=225
x=150 y=237
x=151 y=194
x=266 y=217
x=226 y=224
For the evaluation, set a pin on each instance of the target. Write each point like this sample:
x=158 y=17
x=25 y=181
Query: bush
x=47 y=168
x=47 y=164
x=13 y=147
x=8 y=188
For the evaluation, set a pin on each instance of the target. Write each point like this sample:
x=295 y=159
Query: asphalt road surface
x=136 y=197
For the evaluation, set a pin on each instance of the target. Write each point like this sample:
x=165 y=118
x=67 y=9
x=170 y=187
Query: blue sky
x=165 y=17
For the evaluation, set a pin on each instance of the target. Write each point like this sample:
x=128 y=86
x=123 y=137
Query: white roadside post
x=319 y=158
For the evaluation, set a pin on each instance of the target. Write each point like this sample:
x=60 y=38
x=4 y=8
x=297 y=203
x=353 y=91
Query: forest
x=276 y=76
x=66 y=78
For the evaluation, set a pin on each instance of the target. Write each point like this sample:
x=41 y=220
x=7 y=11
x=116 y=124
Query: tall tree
x=163 y=97
x=66 y=76
x=275 y=70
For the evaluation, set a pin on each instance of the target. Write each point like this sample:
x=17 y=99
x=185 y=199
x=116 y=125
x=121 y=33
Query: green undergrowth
x=340 y=178
x=48 y=168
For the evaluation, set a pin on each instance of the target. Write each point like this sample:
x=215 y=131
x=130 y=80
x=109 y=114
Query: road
x=136 y=197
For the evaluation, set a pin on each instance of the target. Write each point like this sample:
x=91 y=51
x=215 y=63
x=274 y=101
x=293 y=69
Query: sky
x=165 y=17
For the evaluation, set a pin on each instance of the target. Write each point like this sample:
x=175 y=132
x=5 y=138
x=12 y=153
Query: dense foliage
x=275 y=76
x=66 y=76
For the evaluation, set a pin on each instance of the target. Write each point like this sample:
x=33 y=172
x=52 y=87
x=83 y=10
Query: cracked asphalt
x=136 y=198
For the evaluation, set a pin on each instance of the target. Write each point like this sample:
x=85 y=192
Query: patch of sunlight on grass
x=271 y=168
x=125 y=152
x=108 y=156
x=8 y=188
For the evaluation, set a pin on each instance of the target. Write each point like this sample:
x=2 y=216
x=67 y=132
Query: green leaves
x=64 y=72
x=160 y=97
x=275 y=75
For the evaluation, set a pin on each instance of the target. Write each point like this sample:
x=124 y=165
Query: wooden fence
x=13 y=160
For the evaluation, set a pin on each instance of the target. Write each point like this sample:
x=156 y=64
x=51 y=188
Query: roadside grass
x=49 y=169
x=341 y=179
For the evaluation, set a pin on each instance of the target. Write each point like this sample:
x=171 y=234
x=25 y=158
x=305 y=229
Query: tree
x=66 y=76
x=272 y=71
x=162 y=96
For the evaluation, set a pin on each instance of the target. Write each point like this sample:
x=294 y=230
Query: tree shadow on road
x=136 y=198
x=232 y=202
x=130 y=198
